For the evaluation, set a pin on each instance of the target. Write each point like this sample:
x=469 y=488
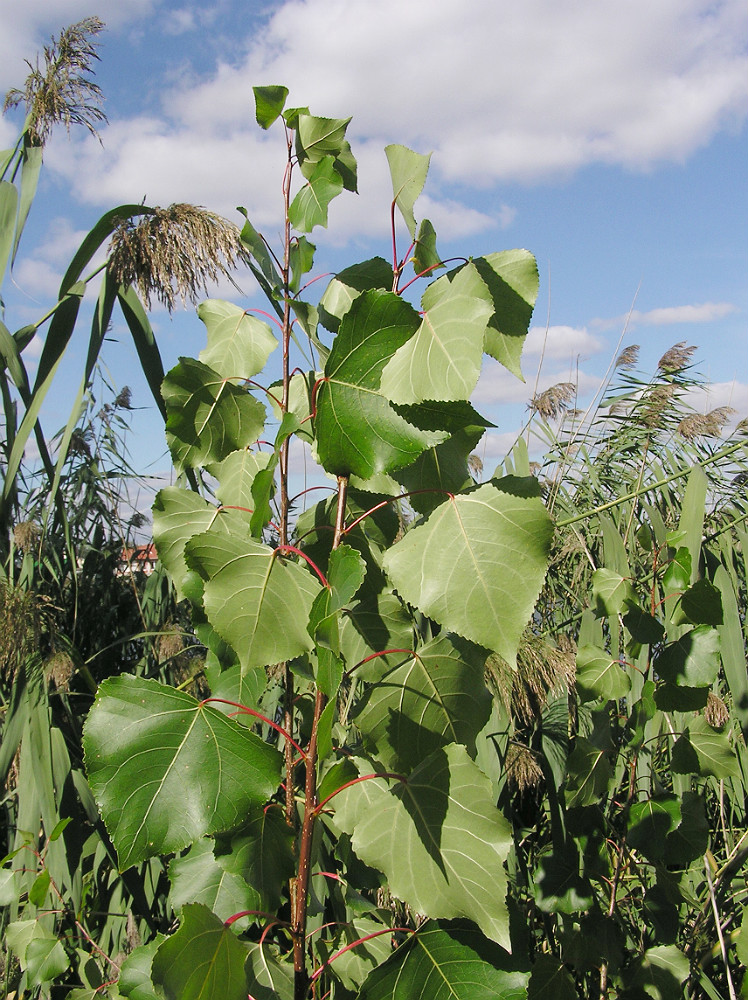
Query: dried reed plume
x=552 y=403
x=543 y=672
x=521 y=766
x=26 y=535
x=706 y=424
x=656 y=402
x=715 y=713
x=174 y=253
x=60 y=90
x=629 y=357
x=677 y=357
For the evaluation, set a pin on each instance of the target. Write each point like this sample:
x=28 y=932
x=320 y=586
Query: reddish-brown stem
x=373 y=656
x=394 y=247
x=261 y=312
x=249 y=381
x=384 y=503
x=315 y=390
x=310 y=489
x=253 y=913
x=354 y=944
x=301 y=888
x=428 y=270
x=283 y=549
x=357 y=781
x=245 y=710
x=311 y=281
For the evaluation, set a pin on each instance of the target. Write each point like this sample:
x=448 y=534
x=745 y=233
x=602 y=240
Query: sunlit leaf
x=165 y=769
x=434 y=698
x=511 y=277
x=408 y=171
x=437 y=837
x=256 y=600
x=178 y=514
x=207 y=416
x=269 y=104
x=317 y=138
x=610 y=592
x=239 y=344
x=261 y=853
x=599 y=675
x=425 y=255
x=692 y=660
x=348 y=284
x=477 y=564
x=440 y=470
x=358 y=431
x=442 y=360
x=203 y=961
x=196 y=877
x=309 y=207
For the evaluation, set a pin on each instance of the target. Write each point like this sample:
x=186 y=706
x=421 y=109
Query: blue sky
x=609 y=138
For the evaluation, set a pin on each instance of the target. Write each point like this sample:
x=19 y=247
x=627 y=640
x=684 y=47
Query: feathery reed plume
x=60 y=91
x=26 y=535
x=522 y=769
x=552 y=403
x=676 y=358
x=656 y=402
x=628 y=358
x=174 y=253
x=705 y=424
x=543 y=671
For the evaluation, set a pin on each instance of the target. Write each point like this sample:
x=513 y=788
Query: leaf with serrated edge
x=178 y=515
x=309 y=207
x=358 y=432
x=442 y=360
x=599 y=675
x=408 y=170
x=256 y=600
x=166 y=769
x=432 y=699
x=437 y=837
x=203 y=961
x=446 y=963
x=196 y=877
x=511 y=277
x=207 y=416
x=239 y=344
x=476 y=565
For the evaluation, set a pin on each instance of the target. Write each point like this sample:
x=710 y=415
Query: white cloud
x=717 y=394
x=497 y=386
x=561 y=342
x=706 y=312
x=177 y=22
x=40 y=272
x=498 y=91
